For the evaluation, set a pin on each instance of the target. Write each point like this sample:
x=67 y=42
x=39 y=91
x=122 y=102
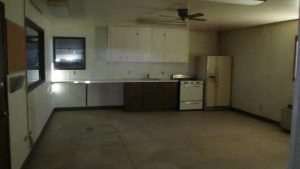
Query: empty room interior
x=149 y=84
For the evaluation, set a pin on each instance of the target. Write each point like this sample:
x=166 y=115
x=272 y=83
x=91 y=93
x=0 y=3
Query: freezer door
x=211 y=83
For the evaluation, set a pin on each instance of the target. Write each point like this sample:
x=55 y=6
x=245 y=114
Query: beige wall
x=262 y=67
x=202 y=44
x=40 y=104
x=14 y=11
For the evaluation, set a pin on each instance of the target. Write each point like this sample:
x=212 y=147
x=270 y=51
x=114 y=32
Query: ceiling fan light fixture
x=240 y=2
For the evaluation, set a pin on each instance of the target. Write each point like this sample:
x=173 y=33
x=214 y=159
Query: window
x=35 y=54
x=69 y=53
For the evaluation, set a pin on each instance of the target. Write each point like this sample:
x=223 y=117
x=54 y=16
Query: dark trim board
x=256 y=116
x=89 y=108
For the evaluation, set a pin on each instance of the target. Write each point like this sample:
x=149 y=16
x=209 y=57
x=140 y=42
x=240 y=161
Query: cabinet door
x=144 y=44
x=130 y=45
x=116 y=44
x=133 y=96
x=182 y=46
x=158 y=45
x=170 y=101
x=223 y=81
x=153 y=96
x=172 y=44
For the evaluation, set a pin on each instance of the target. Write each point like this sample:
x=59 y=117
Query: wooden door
x=223 y=81
x=4 y=118
x=170 y=96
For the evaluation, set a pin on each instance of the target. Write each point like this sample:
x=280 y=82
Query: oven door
x=191 y=92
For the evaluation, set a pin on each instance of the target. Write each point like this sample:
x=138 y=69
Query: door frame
x=3 y=43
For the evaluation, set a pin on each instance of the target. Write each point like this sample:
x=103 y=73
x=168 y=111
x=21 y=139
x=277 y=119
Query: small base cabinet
x=151 y=96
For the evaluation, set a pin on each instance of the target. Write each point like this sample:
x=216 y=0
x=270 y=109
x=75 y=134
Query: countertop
x=114 y=81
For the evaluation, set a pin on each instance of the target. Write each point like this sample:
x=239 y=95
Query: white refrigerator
x=216 y=72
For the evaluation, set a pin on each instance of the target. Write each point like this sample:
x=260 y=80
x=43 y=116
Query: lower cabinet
x=150 y=96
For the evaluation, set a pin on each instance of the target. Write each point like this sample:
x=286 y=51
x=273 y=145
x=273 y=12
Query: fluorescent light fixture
x=76 y=82
x=87 y=82
x=239 y=2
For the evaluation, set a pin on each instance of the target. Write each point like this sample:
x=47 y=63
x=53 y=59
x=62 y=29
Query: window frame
x=296 y=53
x=56 y=67
x=41 y=54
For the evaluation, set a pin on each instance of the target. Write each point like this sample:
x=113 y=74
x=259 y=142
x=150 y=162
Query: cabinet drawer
x=194 y=105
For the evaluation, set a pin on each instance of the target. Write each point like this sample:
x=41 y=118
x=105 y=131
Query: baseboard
x=256 y=116
x=88 y=108
x=218 y=108
x=34 y=146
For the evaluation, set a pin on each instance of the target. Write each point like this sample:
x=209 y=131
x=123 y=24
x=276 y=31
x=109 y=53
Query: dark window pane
x=69 y=53
x=33 y=74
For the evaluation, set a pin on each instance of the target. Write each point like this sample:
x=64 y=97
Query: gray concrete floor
x=160 y=140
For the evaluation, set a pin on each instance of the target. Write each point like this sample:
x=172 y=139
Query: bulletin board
x=16 y=47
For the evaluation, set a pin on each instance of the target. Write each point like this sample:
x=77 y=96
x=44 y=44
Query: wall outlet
x=129 y=72
x=74 y=72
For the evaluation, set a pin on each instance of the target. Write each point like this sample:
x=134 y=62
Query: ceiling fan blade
x=197 y=19
x=195 y=15
x=167 y=16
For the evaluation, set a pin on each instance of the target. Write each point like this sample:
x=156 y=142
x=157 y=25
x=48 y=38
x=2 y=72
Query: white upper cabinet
x=116 y=41
x=123 y=44
x=182 y=46
x=144 y=44
x=131 y=44
x=171 y=52
x=158 y=45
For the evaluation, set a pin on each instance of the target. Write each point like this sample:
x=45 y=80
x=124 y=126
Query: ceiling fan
x=183 y=15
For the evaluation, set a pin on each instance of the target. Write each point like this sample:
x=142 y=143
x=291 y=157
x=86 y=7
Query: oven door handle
x=195 y=102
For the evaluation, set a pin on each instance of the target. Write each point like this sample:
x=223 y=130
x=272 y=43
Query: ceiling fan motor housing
x=183 y=13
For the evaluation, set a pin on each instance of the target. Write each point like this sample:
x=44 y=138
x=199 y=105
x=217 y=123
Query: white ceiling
x=220 y=16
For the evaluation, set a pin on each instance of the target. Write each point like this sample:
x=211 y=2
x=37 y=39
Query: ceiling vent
x=59 y=8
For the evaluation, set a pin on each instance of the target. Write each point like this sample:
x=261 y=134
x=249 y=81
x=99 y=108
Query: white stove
x=191 y=93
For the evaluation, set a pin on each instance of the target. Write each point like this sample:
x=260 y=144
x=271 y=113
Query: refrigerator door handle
x=217 y=77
